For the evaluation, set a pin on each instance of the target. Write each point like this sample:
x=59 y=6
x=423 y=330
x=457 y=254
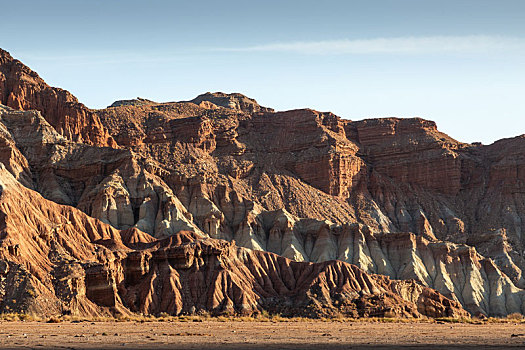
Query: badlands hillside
x=221 y=205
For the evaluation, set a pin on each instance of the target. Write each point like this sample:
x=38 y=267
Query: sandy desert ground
x=213 y=334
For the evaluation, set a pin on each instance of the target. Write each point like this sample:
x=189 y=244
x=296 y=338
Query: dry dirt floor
x=212 y=334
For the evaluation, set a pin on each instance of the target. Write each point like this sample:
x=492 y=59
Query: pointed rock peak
x=234 y=101
x=22 y=89
x=14 y=69
x=4 y=55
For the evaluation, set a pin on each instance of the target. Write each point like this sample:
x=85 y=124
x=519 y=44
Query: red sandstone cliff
x=23 y=89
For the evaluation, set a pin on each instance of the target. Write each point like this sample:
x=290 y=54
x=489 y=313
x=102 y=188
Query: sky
x=460 y=63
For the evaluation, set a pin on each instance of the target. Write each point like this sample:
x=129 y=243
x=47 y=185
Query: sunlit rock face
x=22 y=89
x=391 y=196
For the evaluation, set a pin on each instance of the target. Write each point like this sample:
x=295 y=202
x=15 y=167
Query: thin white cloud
x=97 y=59
x=399 y=45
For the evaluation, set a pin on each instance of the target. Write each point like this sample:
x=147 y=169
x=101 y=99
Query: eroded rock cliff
x=22 y=89
x=392 y=196
x=54 y=259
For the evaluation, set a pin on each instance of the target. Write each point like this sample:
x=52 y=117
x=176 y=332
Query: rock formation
x=184 y=185
x=54 y=259
x=134 y=102
x=233 y=101
x=23 y=89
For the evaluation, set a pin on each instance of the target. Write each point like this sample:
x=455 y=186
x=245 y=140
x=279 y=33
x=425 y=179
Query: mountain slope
x=54 y=259
x=393 y=196
x=23 y=89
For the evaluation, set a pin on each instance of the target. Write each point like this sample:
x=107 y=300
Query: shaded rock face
x=391 y=196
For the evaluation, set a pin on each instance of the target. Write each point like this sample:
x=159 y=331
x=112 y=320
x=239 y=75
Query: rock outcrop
x=457 y=271
x=23 y=89
x=234 y=101
x=134 y=102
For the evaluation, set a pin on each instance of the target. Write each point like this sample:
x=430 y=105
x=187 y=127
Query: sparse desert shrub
x=515 y=316
x=454 y=320
x=53 y=319
x=19 y=317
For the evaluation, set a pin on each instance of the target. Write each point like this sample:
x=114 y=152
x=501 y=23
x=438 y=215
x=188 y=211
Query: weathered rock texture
x=134 y=102
x=54 y=259
x=233 y=101
x=23 y=89
x=392 y=196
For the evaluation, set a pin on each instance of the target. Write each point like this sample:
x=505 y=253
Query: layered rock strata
x=54 y=259
x=23 y=89
x=393 y=196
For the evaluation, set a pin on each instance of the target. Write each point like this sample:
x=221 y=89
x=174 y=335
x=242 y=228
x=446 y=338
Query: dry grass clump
x=262 y=316
x=512 y=318
x=455 y=320
x=19 y=317
x=54 y=319
x=515 y=317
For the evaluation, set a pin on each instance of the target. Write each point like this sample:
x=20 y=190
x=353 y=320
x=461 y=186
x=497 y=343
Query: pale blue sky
x=460 y=63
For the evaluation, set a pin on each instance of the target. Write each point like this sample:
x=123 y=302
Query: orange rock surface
x=23 y=89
